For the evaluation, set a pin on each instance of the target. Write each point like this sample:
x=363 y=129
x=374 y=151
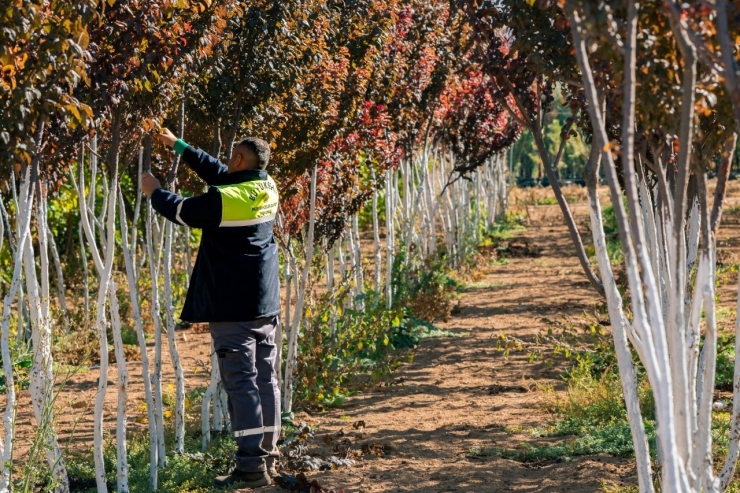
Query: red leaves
x=473 y=123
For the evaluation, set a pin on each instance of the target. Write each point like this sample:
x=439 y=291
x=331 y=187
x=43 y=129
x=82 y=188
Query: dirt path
x=460 y=393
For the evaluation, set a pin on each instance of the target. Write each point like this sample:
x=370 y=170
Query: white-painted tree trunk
x=211 y=398
x=376 y=246
x=330 y=290
x=351 y=264
x=172 y=341
x=129 y=257
x=157 y=322
x=429 y=209
x=121 y=414
x=41 y=378
x=662 y=343
x=291 y=359
x=733 y=450
x=23 y=219
x=85 y=272
x=389 y=235
x=104 y=266
x=59 y=281
x=357 y=252
x=627 y=371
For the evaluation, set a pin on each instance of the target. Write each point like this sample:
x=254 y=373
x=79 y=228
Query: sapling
x=290 y=362
x=129 y=257
x=23 y=221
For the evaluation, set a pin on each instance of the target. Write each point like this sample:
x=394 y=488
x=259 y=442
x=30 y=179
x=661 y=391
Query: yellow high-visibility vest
x=248 y=203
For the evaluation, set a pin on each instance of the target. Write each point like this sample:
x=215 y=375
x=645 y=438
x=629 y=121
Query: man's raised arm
x=203 y=211
x=210 y=169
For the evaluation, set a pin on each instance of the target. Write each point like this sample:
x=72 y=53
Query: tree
x=528 y=65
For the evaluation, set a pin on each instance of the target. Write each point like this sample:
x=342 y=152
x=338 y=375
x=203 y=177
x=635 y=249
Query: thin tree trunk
x=330 y=290
x=654 y=341
x=157 y=321
x=129 y=258
x=235 y=126
x=60 y=281
x=627 y=371
x=41 y=378
x=121 y=415
x=111 y=192
x=23 y=227
x=104 y=266
x=170 y=309
x=677 y=249
x=389 y=237
x=570 y=222
x=85 y=272
x=174 y=353
x=137 y=212
x=376 y=245
x=216 y=143
x=702 y=460
x=358 y=262
x=298 y=314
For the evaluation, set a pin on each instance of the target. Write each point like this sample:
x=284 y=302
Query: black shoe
x=248 y=479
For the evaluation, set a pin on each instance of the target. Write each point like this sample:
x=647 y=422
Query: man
x=235 y=288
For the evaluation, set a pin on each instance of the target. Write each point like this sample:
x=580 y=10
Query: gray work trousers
x=246 y=359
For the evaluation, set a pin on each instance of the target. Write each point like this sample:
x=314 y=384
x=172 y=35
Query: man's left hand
x=149 y=184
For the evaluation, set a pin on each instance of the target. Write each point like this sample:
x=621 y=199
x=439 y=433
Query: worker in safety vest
x=235 y=288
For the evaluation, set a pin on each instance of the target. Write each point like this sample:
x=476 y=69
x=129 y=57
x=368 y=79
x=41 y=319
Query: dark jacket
x=235 y=277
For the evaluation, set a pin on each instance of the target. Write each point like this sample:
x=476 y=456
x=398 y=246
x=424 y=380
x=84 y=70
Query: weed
x=481 y=452
x=507 y=228
x=590 y=418
x=485 y=286
x=191 y=471
x=431 y=294
x=725 y=362
x=546 y=201
x=611 y=231
x=22 y=359
x=607 y=488
x=128 y=335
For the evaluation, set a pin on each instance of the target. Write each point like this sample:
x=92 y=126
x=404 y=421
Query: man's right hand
x=166 y=137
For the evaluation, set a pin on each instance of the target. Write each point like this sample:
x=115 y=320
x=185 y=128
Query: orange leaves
x=84 y=39
x=11 y=63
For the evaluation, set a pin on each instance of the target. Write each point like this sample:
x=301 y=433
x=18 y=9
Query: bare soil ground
x=459 y=393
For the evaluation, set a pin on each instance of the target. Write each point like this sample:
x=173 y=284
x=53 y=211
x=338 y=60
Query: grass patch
x=485 y=286
x=511 y=225
x=546 y=201
x=129 y=337
x=590 y=418
x=192 y=471
x=614 y=440
x=414 y=331
x=725 y=362
x=611 y=231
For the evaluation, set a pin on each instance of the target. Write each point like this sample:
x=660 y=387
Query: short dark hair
x=260 y=148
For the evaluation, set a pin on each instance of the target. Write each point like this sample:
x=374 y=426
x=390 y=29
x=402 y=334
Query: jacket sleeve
x=203 y=211
x=210 y=169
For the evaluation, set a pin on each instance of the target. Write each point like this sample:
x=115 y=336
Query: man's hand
x=166 y=137
x=149 y=184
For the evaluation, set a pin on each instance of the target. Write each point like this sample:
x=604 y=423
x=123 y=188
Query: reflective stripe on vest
x=248 y=203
